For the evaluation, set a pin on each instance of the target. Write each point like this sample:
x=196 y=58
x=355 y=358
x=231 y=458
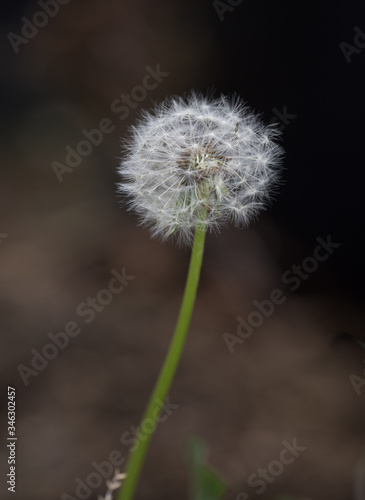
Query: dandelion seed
x=112 y=485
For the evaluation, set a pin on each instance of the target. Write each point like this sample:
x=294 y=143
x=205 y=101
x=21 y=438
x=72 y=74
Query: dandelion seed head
x=197 y=160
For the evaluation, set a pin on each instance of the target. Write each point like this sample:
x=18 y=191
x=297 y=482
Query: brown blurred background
x=60 y=242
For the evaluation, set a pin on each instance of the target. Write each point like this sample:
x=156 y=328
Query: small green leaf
x=205 y=483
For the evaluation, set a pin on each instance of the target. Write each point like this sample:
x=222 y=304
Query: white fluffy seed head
x=199 y=160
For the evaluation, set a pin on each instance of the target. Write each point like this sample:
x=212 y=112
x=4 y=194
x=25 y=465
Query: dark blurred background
x=300 y=65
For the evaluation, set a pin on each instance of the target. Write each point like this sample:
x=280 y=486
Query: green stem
x=168 y=370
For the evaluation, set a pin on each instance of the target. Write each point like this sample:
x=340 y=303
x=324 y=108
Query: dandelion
x=199 y=160
x=193 y=165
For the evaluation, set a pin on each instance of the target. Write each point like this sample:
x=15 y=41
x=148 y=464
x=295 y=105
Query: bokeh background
x=60 y=241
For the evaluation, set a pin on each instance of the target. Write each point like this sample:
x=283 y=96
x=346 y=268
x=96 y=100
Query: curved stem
x=168 y=370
